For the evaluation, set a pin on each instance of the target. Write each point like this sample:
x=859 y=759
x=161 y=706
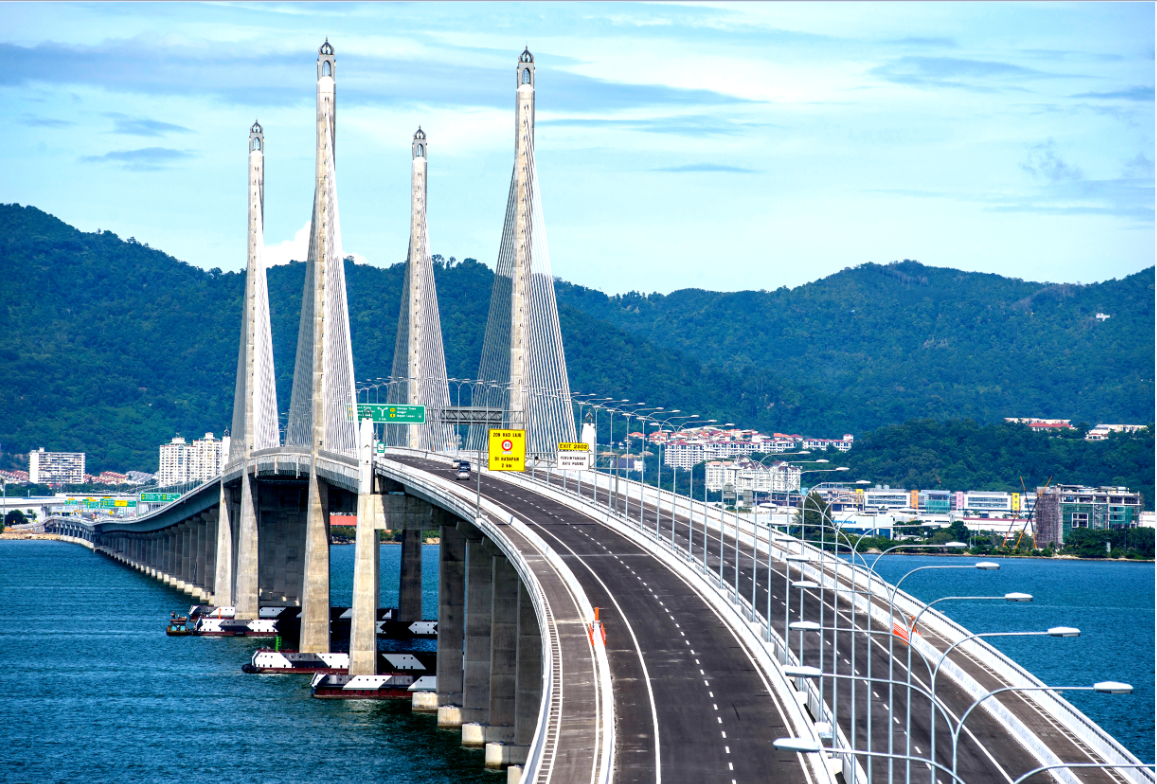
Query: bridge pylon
x=419 y=358
x=523 y=364
x=254 y=408
x=320 y=415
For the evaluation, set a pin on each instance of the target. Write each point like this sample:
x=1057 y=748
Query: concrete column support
x=171 y=555
x=195 y=565
x=366 y=593
x=315 y=601
x=204 y=573
x=410 y=582
x=209 y=545
x=479 y=604
x=186 y=553
x=503 y=651
x=529 y=670
x=245 y=591
x=451 y=601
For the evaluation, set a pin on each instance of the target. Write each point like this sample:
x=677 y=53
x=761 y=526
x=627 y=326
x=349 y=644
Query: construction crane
x=1029 y=519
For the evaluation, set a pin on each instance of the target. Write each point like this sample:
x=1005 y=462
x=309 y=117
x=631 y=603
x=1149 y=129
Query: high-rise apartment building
x=55 y=467
x=199 y=461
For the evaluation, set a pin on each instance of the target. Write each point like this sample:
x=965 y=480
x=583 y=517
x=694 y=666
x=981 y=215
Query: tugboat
x=179 y=626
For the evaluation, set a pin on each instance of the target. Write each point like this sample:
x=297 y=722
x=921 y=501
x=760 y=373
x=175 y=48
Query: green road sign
x=159 y=498
x=392 y=413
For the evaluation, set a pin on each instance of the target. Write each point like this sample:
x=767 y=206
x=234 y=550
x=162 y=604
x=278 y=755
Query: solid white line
x=638 y=650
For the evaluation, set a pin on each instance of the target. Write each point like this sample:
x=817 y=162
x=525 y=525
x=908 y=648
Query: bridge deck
x=690 y=704
x=988 y=751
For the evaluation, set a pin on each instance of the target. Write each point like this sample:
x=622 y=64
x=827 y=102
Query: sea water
x=1111 y=602
x=92 y=690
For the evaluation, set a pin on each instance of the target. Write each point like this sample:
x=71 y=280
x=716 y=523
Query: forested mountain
x=892 y=342
x=111 y=347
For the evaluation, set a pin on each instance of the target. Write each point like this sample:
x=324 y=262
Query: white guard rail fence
x=455 y=498
x=1051 y=703
x=733 y=614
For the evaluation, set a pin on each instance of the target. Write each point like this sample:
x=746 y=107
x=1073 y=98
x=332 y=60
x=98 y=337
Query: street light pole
x=1056 y=631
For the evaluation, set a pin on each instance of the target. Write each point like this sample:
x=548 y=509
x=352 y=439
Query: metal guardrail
x=1073 y=720
x=540 y=758
x=721 y=600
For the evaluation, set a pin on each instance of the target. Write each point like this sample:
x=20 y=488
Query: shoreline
x=1028 y=557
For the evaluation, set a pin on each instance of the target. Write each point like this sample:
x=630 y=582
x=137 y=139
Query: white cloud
x=284 y=252
x=297 y=248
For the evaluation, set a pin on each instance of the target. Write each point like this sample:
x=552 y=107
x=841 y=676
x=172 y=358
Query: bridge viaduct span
x=676 y=675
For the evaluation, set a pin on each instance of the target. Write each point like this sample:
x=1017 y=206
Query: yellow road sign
x=507 y=450
x=566 y=446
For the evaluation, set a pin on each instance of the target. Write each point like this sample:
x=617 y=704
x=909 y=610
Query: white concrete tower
x=323 y=382
x=523 y=363
x=523 y=193
x=419 y=257
x=254 y=404
x=419 y=357
x=255 y=399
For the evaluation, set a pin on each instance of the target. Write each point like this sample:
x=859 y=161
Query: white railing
x=484 y=513
x=722 y=600
x=1080 y=726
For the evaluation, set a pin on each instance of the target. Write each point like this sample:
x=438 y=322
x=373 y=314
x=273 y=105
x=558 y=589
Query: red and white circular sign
x=507 y=445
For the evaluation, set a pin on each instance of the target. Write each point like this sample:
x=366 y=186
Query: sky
x=719 y=146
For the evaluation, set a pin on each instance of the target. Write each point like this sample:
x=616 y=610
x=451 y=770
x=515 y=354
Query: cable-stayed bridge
x=590 y=628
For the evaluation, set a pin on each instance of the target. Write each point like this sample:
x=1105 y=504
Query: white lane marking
x=806 y=770
x=638 y=651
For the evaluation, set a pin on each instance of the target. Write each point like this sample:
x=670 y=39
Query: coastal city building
x=199 y=461
x=1062 y=508
x=1101 y=432
x=690 y=446
x=987 y=504
x=746 y=474
x=1041 y=425
x=55 y=467
x=884 y=497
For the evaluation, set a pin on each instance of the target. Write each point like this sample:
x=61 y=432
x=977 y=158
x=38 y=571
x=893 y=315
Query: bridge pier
x=451 y=606
x=315 y=597
x=366 y=593
x=476 y=656
x=503 y=653
x=410 y=587
x=246 y=596
x=196 y=526
x=528 y=681
x=223 y=557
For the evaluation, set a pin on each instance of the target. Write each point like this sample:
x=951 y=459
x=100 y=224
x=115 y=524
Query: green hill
x=893 y=342
x=110 y=346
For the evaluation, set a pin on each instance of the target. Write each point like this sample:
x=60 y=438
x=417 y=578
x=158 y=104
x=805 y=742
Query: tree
x=15 y=517
x=815 y=517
